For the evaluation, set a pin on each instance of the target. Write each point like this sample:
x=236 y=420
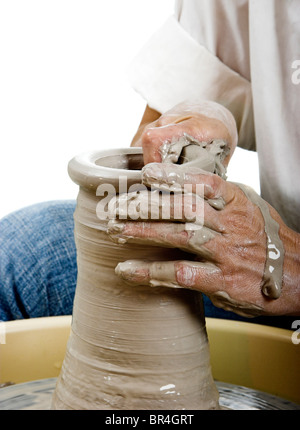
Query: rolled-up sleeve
x=173 y=67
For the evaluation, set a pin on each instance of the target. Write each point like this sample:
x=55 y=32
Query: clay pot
x=130 y=347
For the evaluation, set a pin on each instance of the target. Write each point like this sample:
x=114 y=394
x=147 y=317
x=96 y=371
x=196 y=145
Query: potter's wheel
x=37 y=395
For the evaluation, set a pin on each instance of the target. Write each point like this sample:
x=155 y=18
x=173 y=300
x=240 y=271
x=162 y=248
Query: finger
x=186 y=236
x=166 y=206
x=154 y=137
x=204 y=277
x=163 y=175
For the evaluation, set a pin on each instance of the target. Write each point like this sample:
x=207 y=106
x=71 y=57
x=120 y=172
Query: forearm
x=288 y=302
x=150 y=115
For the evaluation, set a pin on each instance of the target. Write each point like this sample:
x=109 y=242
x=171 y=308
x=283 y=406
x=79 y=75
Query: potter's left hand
x=227 y=255
x=203 y=121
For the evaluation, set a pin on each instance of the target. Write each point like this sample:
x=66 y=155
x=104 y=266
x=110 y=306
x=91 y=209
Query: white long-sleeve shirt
x=245 y=55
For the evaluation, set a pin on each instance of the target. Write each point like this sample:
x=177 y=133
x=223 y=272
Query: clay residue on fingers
x=173 y=178
x=172 y=274
x=155 y=273
x=189 y=237
x=164 y=176
x=208 y=156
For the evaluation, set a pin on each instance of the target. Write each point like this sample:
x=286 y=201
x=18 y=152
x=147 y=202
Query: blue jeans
x=38 y=269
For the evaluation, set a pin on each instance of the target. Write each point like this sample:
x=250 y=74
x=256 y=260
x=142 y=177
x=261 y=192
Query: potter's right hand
x=204 y=121
x=239 y=251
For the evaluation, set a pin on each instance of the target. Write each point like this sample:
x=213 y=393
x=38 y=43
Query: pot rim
x=84 y=171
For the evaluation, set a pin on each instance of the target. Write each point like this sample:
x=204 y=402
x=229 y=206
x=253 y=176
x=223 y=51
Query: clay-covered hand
x=235 y=253
x=204 y=121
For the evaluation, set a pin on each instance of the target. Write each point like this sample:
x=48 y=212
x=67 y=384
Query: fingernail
x=124 y=269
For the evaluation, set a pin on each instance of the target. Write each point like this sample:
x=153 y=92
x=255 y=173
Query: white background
x=64 y=90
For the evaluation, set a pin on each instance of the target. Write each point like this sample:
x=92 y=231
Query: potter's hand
x=203 y=121
x=232 y=257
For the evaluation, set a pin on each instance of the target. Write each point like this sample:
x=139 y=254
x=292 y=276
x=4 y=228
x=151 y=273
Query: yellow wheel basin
x=255 y=356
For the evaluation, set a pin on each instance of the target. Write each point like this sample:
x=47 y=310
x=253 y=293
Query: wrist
x=150 y=115
x=289 y=301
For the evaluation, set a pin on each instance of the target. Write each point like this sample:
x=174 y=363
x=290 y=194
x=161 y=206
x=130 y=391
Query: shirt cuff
x=172 y=68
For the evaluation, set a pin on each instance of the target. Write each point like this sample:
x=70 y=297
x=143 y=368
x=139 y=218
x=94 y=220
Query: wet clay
x=208 y=156
x=172 y=176
x=130 y=347
x=273 y=272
